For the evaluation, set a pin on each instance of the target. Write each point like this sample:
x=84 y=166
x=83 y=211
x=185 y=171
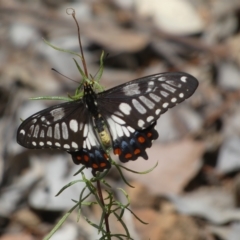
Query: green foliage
x=110 y=206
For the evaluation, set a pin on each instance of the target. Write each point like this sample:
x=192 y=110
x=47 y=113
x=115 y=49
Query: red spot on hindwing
x=137 y=151
x=141 y=139
x=128 y=155
x=117 y=151
x=86 y=158
x=103 y=164
x=149 y=134
x=94 y=165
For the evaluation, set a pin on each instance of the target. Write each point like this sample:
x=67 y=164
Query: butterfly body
x=123 y=118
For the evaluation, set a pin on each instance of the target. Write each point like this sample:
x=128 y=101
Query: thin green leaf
x=80 y=203
x=61 y=49
x=68 y=185
x=101 y=221
x=123 y=224
x=51 y=98
x=122 y=176
x=100 y=176
x=94 y=225
x=101 y=67
x=136 y=216
x=81 y=71
x=105 y=183
x=60 y=222
x=85 y=203
x=145 y=172
x=79 y=171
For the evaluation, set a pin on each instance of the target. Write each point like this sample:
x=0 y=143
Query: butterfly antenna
x=79 y=40
x=53 y=69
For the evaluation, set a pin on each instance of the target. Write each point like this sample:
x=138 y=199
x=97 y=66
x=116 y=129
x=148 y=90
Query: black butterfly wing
x=55 y=127
x=140 y=102
x=67 y=126
x=132 y=109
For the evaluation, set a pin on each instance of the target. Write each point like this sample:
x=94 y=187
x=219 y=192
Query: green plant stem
x=101 y=198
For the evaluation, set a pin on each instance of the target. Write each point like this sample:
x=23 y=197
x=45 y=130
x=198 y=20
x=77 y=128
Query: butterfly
x=122 y=118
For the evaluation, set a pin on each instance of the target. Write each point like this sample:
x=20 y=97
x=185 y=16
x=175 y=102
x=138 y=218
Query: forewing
x=140 y=103
x=62 y=126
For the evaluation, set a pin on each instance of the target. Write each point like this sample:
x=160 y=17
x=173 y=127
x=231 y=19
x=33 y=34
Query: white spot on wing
x=147 y=102
x=49 y=143
x=161 y=78
x=57 y=114
x=181 y=95
x=36 y=131
x=183 y=79
x=64 y=130
x=158 y=111
x=42 y=134
x=85 y=131
x=57 y=131
x=118 y=114
x=66 y=146
x=30 y=131
x=165 y=94
x=117 y=119
x=139 y=107
x=34 y=143
x=169 y=88
x=49 y=132
x=125 y=108
x=151 y=83
x=74 y=145
x=131 y=90
x=126 y=132
x=165 y=105
x=141 y=123
x=154 y=97
x=119 y=130
x=112 y=127
x=173 y=100
x=43 y=118
x=41 y=144
x=88 y=144
x=174 y=83
x=57 y=144
x=130 y=129
x=150 y=86
x=150 y=118
x=91 y=138
x=73 y=124
x=22 y=132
